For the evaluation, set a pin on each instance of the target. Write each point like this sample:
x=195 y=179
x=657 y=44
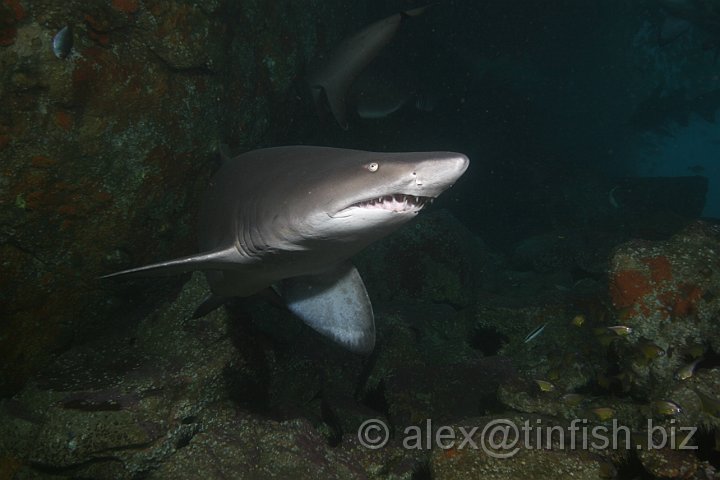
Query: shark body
x=291 y=217
x=332 y=77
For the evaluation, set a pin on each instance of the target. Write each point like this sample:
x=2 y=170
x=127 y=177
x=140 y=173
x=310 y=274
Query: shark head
x=368 y=195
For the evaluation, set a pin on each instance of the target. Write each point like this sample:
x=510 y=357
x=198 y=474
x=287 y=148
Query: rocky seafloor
x=250 y=392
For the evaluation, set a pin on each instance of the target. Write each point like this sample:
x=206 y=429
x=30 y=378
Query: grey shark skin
x=291 y=217
x=333 y=77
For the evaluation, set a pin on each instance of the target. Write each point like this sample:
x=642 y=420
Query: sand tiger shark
x=331 y=78
x=290 y=218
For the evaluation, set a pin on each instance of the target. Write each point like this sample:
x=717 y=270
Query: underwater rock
x=670 y=463
x=120 y=405
x=669 y=293
x=244 y=446
x=105 y=152
x=184 y=35
x=480 y=460
x=248 y=447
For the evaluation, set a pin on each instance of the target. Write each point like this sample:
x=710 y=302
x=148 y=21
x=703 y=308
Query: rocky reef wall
x=107 y=139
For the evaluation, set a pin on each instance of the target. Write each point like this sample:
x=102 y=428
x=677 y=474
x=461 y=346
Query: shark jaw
x=396 y=203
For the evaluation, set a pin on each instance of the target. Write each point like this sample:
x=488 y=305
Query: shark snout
x=439 y=172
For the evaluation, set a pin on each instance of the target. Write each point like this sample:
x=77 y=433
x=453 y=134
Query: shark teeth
x=395 y=203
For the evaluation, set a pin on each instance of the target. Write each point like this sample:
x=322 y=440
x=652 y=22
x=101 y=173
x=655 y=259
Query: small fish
x=687 y=371
x=612 y=199
x=666 y=408
x=603 y=413
x=535 y=333
x=649 y=350
x=697 y=169
x=710 y=405
x=695 y=350
x=545 y=386
x=572 y=399
x=63 y=42
x=621 y=330
x=578 y=320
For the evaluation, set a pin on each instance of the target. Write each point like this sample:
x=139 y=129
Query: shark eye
x=372 y=166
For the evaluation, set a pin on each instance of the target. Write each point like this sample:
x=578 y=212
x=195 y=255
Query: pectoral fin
x=213 y=260
x=335 y=304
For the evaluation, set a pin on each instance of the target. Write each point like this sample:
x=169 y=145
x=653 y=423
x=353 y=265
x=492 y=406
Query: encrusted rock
x=118 y=406
x=668 y=292
x=483 y=457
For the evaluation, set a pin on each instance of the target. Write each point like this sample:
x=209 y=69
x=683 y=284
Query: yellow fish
x=710 y=405
x=650 y=351
x=603 y=413
x=666 y=408
x=545 y=386
x=578 y=320
x=695 y=350
x=572 y=399
x=621 y=330
x=687 y=371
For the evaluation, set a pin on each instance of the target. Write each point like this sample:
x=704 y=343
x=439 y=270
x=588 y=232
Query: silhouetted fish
x=333 y=76
x=63 y=42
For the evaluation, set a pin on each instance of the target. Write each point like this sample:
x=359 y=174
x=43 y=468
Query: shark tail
x=416 y=11
x=213 y=260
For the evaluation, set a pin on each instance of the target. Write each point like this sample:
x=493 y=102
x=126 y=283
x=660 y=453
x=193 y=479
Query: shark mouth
x=395 y=203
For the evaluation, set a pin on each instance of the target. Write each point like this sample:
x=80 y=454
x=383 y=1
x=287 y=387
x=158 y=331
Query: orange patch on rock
x=7 y=36
x=127 y=6
x=9 y=466
x=97 y=24
x=40 y=161
x=11 y=12
x=450 y=453
x=102 y=197
x=682 y=302
x=101 y=38
x=686 y=300
x=68 y=210
x=627 y=287
x=660 y=268
x=16 y=8
x=63 y=120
